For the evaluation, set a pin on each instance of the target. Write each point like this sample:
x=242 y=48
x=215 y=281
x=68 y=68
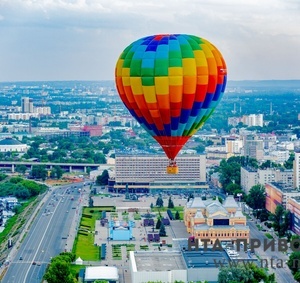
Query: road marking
x=40 y=243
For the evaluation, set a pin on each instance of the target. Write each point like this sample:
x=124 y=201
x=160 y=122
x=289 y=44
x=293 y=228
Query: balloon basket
x=172 y=169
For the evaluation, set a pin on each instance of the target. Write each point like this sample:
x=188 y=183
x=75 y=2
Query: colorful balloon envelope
x=171 y=84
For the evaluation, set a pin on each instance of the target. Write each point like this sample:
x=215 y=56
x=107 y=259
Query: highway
x=46 y=237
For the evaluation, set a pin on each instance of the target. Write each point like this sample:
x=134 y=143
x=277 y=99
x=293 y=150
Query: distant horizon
x=112 y=80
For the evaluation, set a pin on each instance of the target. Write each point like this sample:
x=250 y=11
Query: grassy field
x=165 y=208
x=84 y=242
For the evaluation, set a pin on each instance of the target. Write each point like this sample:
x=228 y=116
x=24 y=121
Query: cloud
x=57 y=37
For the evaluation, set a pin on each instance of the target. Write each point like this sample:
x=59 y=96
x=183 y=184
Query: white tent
x=79 y=261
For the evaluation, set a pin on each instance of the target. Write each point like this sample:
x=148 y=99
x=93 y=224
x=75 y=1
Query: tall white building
x=253 y=120
x=143 y=173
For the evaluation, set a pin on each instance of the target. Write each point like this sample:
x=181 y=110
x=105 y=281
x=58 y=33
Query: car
x=33 y=263
x=20 y=258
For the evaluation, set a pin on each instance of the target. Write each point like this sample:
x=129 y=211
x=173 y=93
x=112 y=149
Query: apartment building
x=279 y=194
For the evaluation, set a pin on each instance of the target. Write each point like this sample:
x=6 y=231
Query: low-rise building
x=176 y=266
x=105 y=273
x=12 y=145
x=211 y=220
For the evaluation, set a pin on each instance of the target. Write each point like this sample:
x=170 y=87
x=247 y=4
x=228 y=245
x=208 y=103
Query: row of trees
x=20 y=188
x=248 y=273
x=230 y=171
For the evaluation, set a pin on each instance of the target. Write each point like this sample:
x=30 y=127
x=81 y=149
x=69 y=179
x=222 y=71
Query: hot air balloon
x=171 y=84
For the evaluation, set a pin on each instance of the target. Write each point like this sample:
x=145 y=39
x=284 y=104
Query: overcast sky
x=82 y=39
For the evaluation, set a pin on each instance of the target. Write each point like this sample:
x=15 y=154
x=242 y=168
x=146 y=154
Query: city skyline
x=81 y=40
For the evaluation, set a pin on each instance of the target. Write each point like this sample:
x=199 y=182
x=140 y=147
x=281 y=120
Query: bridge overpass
x=68 y=167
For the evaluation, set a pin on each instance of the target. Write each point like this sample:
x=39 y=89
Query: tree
x=158 y=223
x=59 y=271
x=91 y=202
x=177 y=216
x=159 y=202
x=39 y=172
x=296 y=243
x=162 y=230
x=256 y=198
x=190 y=196
x=102 y=180
x=281 y=219
x=170 y=204
x=4 y=129
x=2 y=176
x=233 y=189
x=88 y=170
x=294 y=263
x=21 y=169
x=244 y=273
x=297 y=276
x=200 y=148
x=56 y=172
x=59 y=172
x=289 y=163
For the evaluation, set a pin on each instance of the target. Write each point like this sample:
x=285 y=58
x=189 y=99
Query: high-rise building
x=296 y=167
x=142 y=173
x=253 y=147
x=253 y=120
x=27 y=105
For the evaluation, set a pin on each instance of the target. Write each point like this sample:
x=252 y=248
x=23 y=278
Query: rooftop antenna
x=271 y=108
x=234 y=108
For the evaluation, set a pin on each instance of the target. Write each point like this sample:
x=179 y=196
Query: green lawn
x=84 y=244
x=85 y=248
x=116 y=252
x=165 y=208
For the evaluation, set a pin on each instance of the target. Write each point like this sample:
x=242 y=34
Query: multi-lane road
x=47 y=235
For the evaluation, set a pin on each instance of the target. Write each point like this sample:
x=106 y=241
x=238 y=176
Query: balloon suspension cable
x=172 y=163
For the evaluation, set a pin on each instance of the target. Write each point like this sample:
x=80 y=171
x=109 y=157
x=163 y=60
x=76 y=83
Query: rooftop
x=101 y=272
x=205 y=227
x=230 y=202
x=284 y=188
x=297 y=199
x=9 y=141
x=158 y=261
x=205 y=258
